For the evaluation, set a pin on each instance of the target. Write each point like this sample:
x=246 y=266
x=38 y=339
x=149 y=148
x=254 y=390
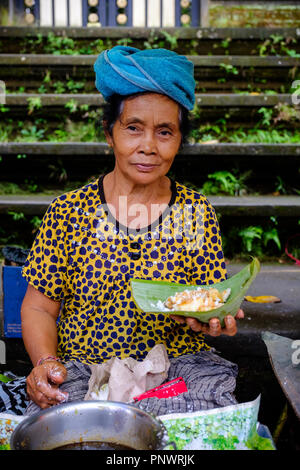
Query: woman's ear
x=107 y=134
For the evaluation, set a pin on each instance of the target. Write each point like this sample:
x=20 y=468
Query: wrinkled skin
x=214 y=326
x=43 y=384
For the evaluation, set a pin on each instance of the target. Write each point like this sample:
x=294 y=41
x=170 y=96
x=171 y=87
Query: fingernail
x=62 y=396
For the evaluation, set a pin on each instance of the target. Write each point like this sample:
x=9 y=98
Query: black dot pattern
x=83 y=258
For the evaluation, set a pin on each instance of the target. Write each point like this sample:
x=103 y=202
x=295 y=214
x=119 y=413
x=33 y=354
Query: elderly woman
x=78 y=309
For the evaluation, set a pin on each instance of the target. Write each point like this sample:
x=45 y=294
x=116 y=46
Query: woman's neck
x=137 y=205
x=115 y=185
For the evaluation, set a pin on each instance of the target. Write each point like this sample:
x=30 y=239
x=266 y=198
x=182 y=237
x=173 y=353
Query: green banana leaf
x=150 y=295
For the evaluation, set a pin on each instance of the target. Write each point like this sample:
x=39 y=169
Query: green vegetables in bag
x=150 y=296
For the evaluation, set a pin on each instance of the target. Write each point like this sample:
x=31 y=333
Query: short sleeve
x=208 y=264
x=45 y=266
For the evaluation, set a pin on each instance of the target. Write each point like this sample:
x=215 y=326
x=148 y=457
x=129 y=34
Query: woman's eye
x=165 y=132
x=132 y=128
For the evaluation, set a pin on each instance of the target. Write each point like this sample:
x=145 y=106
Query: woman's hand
x=214 y=326
x=43 y=384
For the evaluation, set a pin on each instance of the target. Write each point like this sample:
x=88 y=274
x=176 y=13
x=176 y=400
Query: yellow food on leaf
x=198 y=300
x=262 y=299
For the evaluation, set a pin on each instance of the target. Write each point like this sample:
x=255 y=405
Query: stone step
x=204 y=99
x=240 y=206
x=263 y=164
x=192 y=150
x=189 y=33
x=198 y=61
x=202 y=40
x=211 y=107
x=211 y=71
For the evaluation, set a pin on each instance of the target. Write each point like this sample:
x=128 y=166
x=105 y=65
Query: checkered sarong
x=210 y=381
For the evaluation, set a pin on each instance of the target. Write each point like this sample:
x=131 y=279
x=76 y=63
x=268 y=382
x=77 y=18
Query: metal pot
x=114 y=423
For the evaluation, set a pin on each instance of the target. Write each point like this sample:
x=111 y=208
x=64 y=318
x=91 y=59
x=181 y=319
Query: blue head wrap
x=126 y=70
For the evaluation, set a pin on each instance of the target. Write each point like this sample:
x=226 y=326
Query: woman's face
x=146 y=137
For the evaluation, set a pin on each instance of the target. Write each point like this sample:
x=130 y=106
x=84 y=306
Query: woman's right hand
x=43 y=384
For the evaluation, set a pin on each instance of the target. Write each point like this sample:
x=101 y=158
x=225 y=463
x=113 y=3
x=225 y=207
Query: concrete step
x=234 y=33
x=203 y=40
x=242 y=110
x=204 y=99
x=198 y=60
x=259 y=72
x=191 y=150
x=194 y=162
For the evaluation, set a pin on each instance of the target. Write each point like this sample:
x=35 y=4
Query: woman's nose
x=148 y=143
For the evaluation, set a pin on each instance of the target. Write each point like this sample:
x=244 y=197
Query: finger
x=240 y=314
x=230 y=326
x=41 y=385
x=57 y=373
x=38 y=398
x=194 y=324
x=178 y=319
x=214 y=327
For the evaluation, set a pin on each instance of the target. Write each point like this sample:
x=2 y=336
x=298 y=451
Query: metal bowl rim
x=86 y=404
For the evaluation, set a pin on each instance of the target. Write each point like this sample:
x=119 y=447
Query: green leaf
x=150 y=295
x=270 y=235
x=4 y=378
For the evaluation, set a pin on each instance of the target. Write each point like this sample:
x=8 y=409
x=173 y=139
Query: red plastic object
x=169 y=389
x=297 y=261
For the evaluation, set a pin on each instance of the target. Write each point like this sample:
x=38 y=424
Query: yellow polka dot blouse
x=85 y=259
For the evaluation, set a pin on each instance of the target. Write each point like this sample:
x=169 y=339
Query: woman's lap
x=210 y=381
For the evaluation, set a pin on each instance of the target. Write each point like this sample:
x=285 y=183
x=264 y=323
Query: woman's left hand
x=214 y=326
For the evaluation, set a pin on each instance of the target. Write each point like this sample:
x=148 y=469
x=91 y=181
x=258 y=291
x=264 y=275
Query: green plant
x=280 y=186
x=255 y=238
x=271 y=136
x=171 y=39
x=9 y=188
x=59 y=45
x=59 y=135
x=229 y=68
x=47 y=78
x=224 y=182
x=42 y=89
x=34 y=103
x=71 y=105
x=31 y=134
x=5 y=130
x=74 y=86
x=124 y=42
x=16 y=215
x=35 y=222
x=277 y=45
x=31 y=186
x=268 y=46
x=59 y=87
x=168 y=41
x=266 y=116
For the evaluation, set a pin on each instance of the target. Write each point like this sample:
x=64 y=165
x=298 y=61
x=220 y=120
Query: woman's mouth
x=145 y=167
